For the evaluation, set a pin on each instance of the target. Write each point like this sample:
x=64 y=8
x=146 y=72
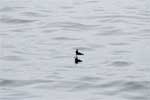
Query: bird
x=78 y=53
x=77 y=60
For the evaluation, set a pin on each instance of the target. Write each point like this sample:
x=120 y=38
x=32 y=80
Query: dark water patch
x=9 y=20
x=125 y=88
x=110 y=88
x=7 y=9
x=145 y=30
x=12 y=58
x=111 y=17
x=90 y=79
x=71 y=26
x=116 y=83
x=136 y=86
x=34 y=14
x=105 y=20
x=137 y=97
x=49 y=30
x=7 y=46
x=3 y=34
x=19 y=83
x=121 y=63
x=119 y=44
x=65 y=39
x=94 y=84
x=112 y=32
x=125 y=16
x=135 y=90
x=66 y=7
x=82 y=87
x=17 y=30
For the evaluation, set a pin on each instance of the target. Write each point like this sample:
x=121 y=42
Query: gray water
x=38 y=39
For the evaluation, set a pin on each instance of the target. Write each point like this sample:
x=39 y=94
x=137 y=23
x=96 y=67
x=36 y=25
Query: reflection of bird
x=78 y=53
x=77 y=60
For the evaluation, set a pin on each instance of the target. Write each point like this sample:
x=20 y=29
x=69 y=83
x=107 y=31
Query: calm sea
x=38 y=39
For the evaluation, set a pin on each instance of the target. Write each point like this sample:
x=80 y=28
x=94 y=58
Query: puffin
x=78 y=53
x=77 y=60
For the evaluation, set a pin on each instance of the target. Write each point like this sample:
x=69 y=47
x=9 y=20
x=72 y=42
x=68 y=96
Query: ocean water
x=38 y=39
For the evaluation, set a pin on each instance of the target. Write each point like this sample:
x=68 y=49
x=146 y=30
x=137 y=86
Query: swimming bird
x=78 y=53
x=77 y=60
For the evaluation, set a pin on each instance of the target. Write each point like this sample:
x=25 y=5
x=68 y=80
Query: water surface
x=38 y=40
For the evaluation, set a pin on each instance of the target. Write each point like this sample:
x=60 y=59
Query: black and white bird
x=77 y=60
x=78 y=53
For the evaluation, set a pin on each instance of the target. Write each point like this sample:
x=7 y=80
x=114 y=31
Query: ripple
x=90 y=79
x=118 y=52
x=33 y=14
x=71 y=26
x=125 y=88
x=96 y=46
x=16 y=83
x=103 y=31
x=12 y=58
x=10 y=20
x=16 y=95
x=49 y=31
x=3 y=34
x=121 y=63
x=112 y=32
x=82 y=87
x=135 y=85
x=65 y=38
x=137 y=97
x=60 y=57
x=92 y=84
x=92 y=1
x=113 y=83
x=7 y=9
x=119 y=44
x=114 y=18
x=7 y=46
x=135 y=90
x=66 y=7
